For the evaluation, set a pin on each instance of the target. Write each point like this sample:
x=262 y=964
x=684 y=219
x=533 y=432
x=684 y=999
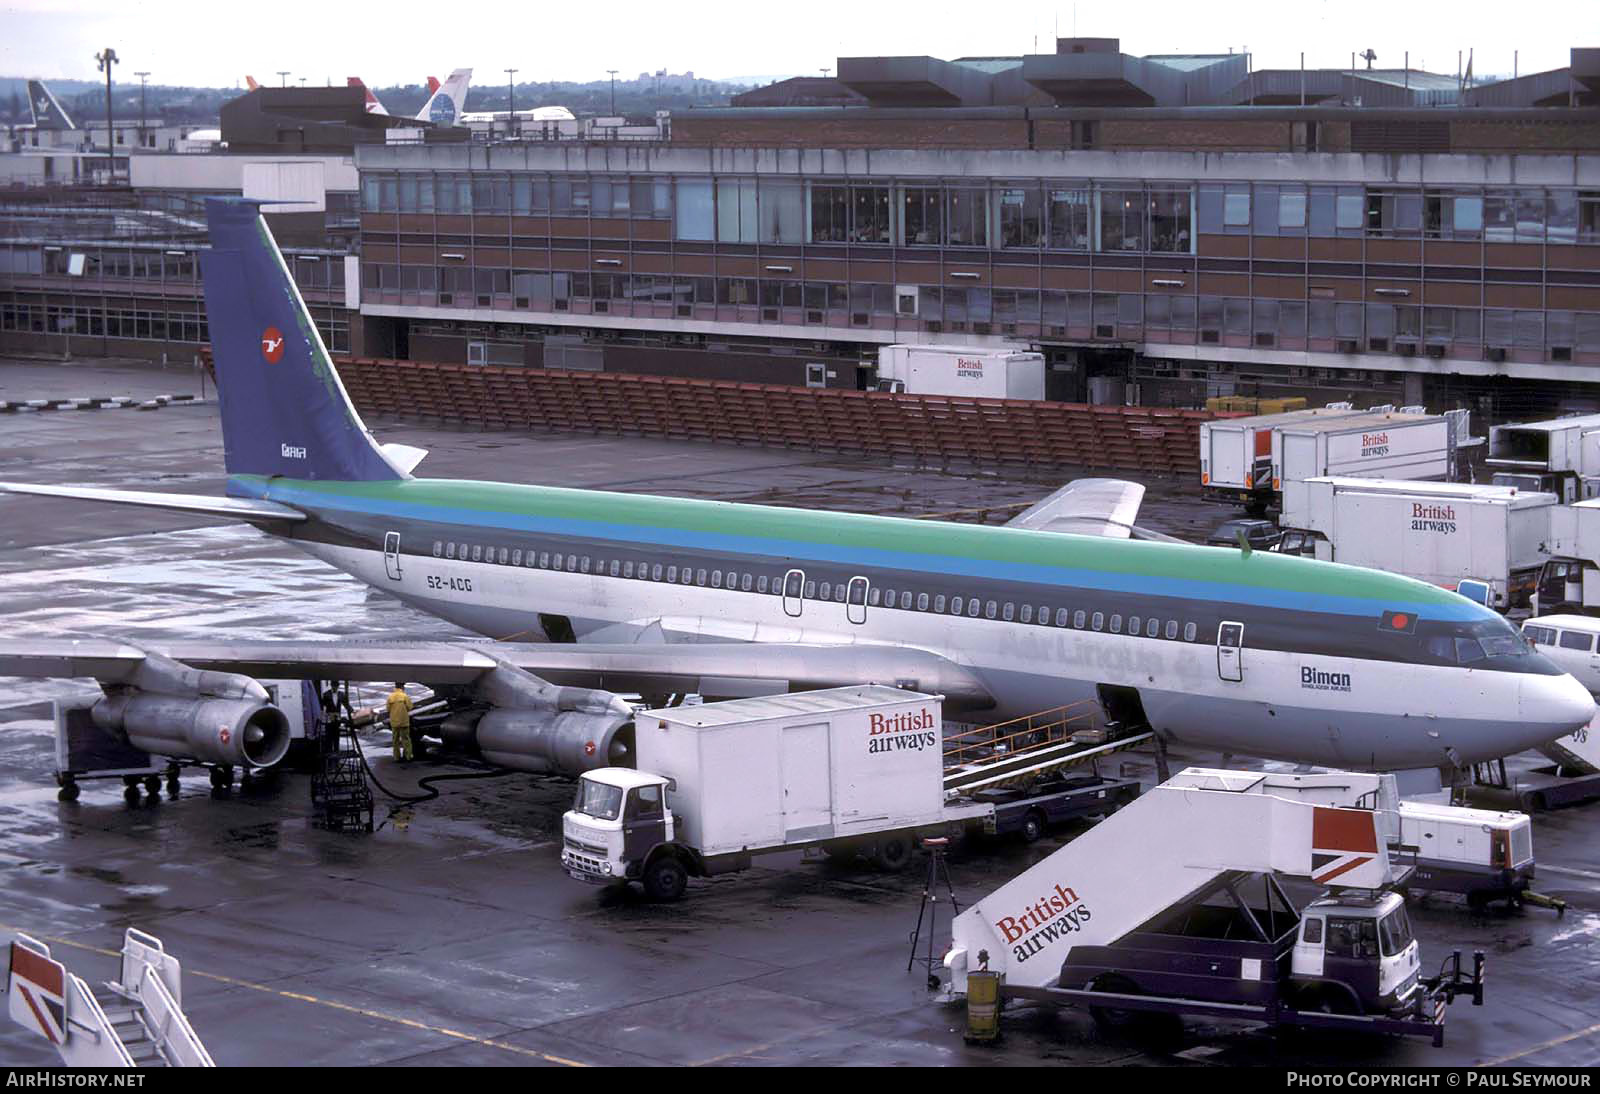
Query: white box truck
x=847 y=769
x=1236 y=453
x=1561 y=455
x=1440 y=532
x=1370 y=446
x=962 y=370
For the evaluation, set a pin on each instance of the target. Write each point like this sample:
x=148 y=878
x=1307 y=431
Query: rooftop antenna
x=1369 y=56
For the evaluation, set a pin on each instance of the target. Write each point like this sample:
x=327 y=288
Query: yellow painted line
x=1552 y=1043
x=332 y=1004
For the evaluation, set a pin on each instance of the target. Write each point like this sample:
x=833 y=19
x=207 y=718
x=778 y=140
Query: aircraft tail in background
x=373 y=105
x=46 y=111
x=446 y=105
x=250 y=82
x=433 y=84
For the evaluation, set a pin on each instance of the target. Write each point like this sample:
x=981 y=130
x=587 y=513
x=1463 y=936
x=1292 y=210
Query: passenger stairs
x=137 y=1022
x=1577 y=753
x=1025 y=748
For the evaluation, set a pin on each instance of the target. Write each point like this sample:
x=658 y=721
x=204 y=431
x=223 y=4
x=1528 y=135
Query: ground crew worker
x=400 y=722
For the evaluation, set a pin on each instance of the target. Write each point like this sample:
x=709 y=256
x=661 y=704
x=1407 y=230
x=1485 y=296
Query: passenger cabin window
x=761 y=583
x=872 y=597
x=572 y=563
x=1027 y=613
x=1044 y=615
x=1009 y=612
x=827 y=590
x=585 y=564
x=1099 y=621
x=956 y=604
x=1190 y=631
x=938 y=603
x=716 y=579
x=1116 y=623
x=672 y=574
x=1061 y=617
x=450 y=550
x=922 y=602
x=1172 y=629
x=745 y=582
x=505 y=555
x=1577 y=640
x=1134 y=623
x=516 y=557
x=1152 y=628
x=616 y=568
x=1078 y=619
x=688 y=576
x=700 y=579
x=477 y=552
x=627 y=569
x=438 y=548
x=973 y=607
x=544 y=560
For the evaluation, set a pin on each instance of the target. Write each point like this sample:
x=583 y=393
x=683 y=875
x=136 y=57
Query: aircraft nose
x=1554 y=706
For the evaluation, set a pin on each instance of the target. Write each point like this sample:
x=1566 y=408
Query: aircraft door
x=794 y=587
x=1230 y=643
x=391 y=555
x=855 y=600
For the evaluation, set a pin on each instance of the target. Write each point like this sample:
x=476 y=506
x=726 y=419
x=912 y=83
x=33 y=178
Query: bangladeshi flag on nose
x=38 y=995
x=1343 y=843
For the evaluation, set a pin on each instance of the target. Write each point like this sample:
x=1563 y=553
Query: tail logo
x=272 y=345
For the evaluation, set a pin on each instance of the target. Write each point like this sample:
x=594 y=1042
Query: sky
x=390 y=42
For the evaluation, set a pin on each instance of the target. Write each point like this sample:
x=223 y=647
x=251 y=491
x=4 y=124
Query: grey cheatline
x=1247 y=652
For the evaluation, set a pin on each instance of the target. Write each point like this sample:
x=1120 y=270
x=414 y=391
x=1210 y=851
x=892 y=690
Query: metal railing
x=1019 y=736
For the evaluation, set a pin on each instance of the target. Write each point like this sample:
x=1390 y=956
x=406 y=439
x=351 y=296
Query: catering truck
x=1176 y=905
x=1236 y=454
x=857 y=770
x=1452 y=534
x=1561 y=455
x=962 y=370
x=1374 y=445
x=1570 y=580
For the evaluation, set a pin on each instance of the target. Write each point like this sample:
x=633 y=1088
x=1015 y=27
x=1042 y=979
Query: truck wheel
x=665 y=879
x=892 y=853
x=1032 y=827
x=1112 y=1019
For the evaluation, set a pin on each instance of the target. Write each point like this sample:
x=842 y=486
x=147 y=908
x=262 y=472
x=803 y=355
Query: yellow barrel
x=983 y=1007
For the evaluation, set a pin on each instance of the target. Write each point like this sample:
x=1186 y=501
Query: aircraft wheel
x=69 y=791
x=1113 y=1019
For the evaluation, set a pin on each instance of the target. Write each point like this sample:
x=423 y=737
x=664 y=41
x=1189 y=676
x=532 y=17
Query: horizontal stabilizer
x=234 y=508
x=404 y=456
x=1087 y=507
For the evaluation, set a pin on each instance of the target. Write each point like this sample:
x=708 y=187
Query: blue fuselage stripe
x=325 y=505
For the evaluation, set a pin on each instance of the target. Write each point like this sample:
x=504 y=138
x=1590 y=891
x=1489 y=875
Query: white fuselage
x=1342 y=712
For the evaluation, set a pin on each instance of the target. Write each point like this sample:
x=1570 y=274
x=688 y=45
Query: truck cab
x=1359 y=952
x=620 y=829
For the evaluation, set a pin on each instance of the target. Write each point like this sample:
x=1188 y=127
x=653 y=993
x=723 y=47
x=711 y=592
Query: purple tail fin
x=284 y=411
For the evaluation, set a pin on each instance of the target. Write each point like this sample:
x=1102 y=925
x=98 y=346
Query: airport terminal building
x=1162 y=228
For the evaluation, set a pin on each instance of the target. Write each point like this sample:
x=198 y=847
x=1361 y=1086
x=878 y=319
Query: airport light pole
x=283 y=77
x=511 y=100
x=141 y=76
x=105 y=61
x=613 y=73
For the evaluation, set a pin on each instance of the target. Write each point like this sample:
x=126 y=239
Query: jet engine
x=242 y=732
x=534 y=725
x=170 y=709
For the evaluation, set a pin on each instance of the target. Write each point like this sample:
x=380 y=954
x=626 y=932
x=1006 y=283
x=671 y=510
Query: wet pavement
x=451 y=936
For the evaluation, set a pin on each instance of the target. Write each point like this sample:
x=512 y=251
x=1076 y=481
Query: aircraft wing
x=1089 y=507
x=237 y=508
x=723 y=669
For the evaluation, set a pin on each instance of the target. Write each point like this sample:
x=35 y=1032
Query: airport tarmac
x=452 y=936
